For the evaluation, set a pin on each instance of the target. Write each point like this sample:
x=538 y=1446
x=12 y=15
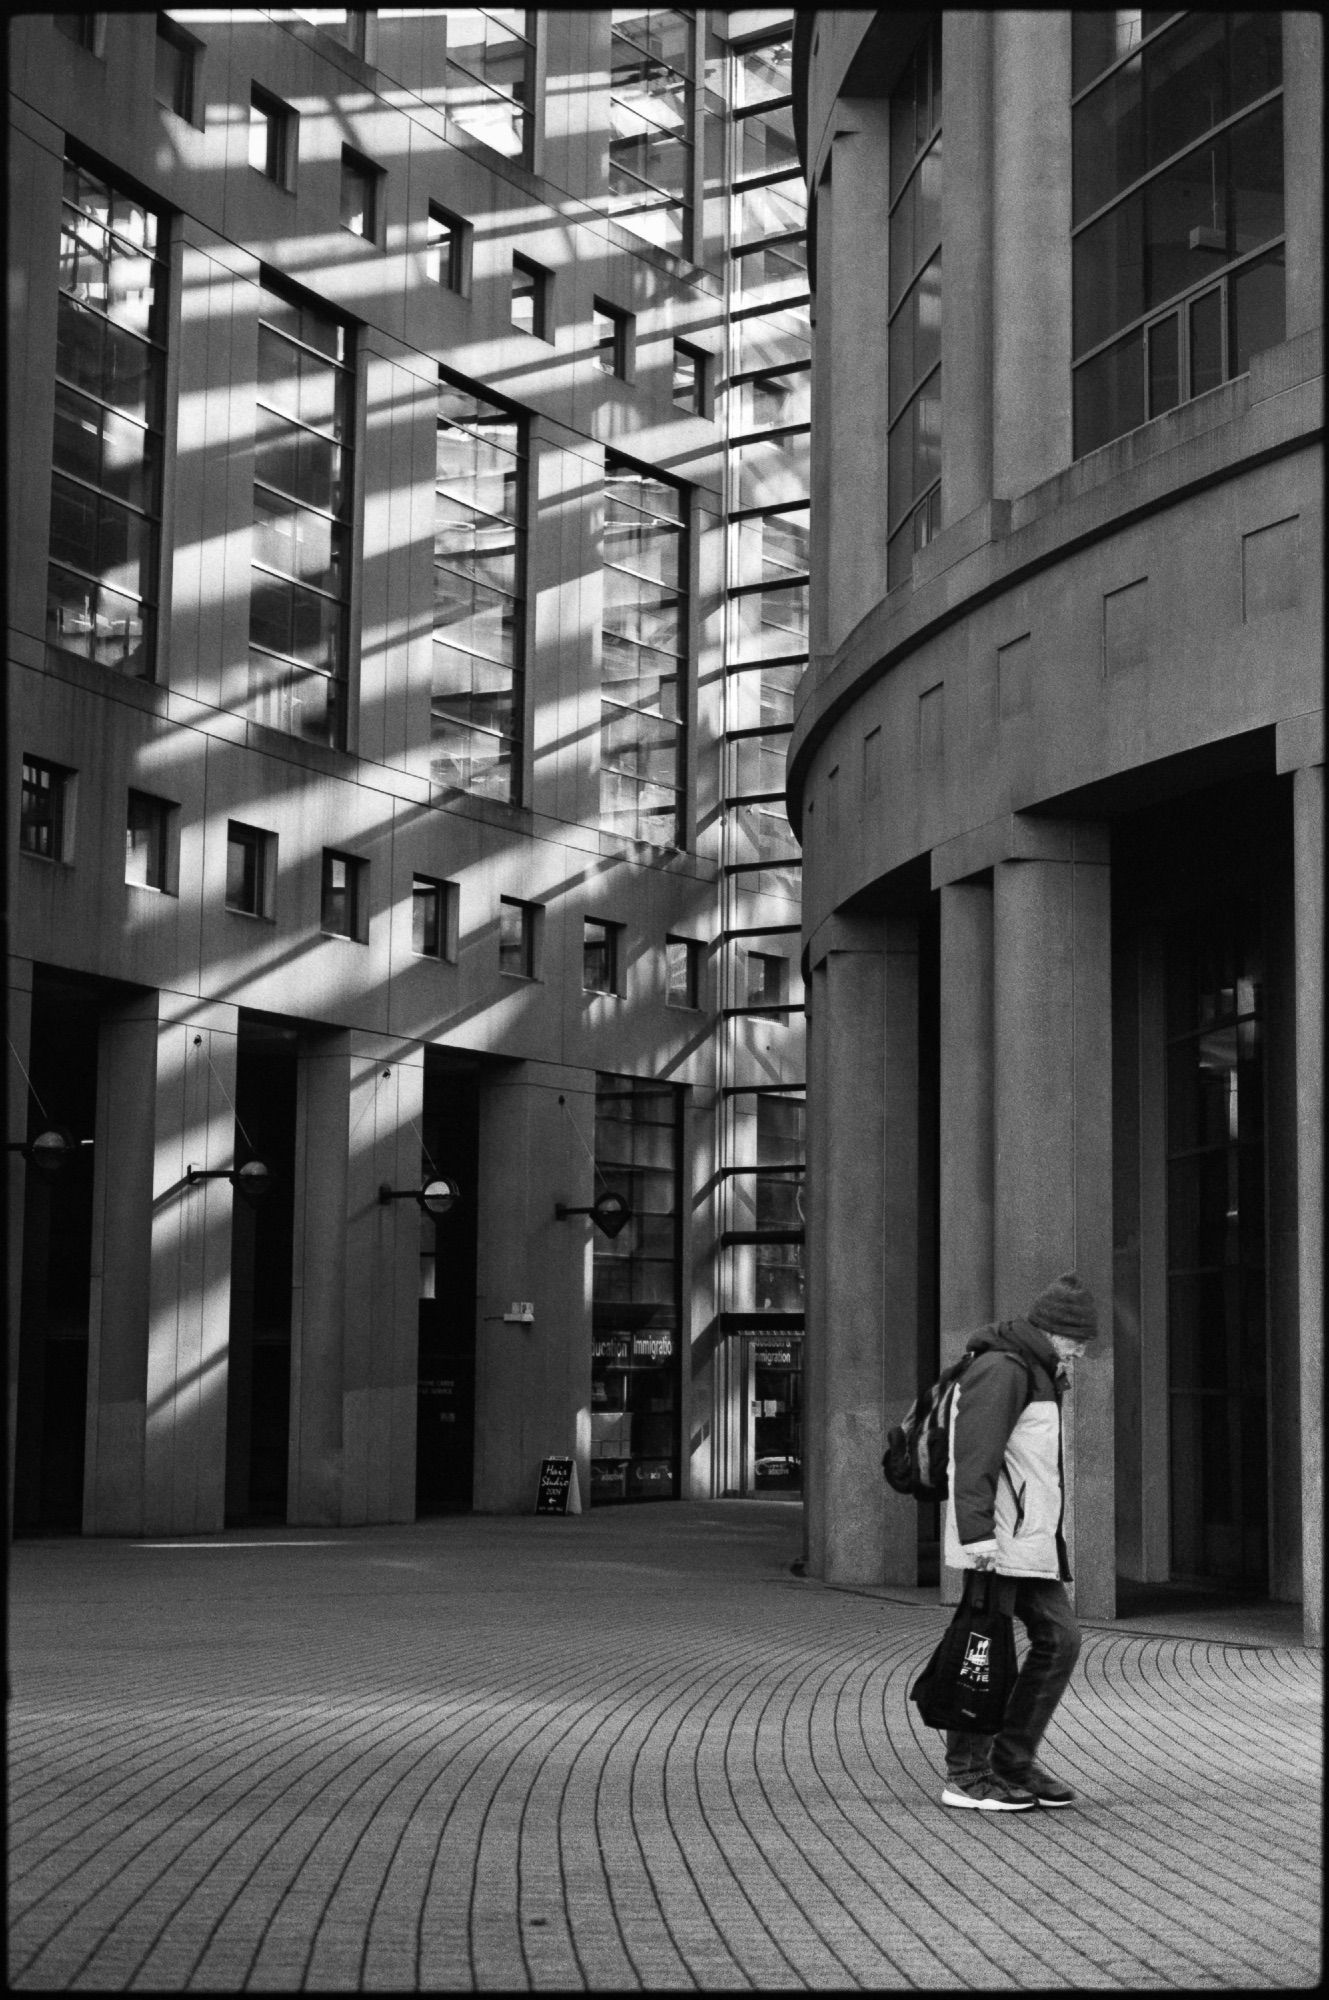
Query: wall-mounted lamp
x=436 y=1197
x=49 y=1150
x=610 y=1212
x=251 y=1181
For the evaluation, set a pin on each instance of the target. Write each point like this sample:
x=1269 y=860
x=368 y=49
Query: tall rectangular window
x=345 y=902
x=768 y=979
x=177 y=57
x=530 y=298
x=913 y=499
x=86 y=31
x=479 y=594
x=519 y=938
x=689 y=384
x=651 y=124
x=599 y=956
x=434 y=912
x=447 y=249
x=491 y=68
x=613 y=339
x=250 y=869
x=302 y=521
x=110 y=368
x=42 y=801
x=683 y=958
x=272 y=129
x=645 y=656
x=361 y=195
x=147 y=841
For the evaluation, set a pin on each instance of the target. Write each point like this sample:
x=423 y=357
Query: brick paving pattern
x=628 y=1751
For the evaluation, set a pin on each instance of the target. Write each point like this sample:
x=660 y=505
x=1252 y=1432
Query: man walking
x=1004 y=1513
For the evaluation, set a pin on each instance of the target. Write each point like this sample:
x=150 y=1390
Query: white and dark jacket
x=1006 y=1483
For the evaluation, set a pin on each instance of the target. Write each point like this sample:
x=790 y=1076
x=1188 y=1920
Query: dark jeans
x=1044 y=1610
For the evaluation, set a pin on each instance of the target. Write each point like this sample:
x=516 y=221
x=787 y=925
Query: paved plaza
x=630 y=1750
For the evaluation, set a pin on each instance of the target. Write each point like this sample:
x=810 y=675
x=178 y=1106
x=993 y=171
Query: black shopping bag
x=968 y=1680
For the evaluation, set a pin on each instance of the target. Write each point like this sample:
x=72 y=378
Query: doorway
x=774 y=1375
x=445 y=1390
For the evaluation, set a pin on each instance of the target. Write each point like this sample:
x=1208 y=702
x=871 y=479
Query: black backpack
x=917 y=1452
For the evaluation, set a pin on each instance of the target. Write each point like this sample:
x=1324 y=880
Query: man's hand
x=982 y=1555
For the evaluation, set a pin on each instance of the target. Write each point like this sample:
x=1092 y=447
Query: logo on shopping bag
x=976 y=1665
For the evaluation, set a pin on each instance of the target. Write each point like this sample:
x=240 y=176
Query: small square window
x=43 y=809
x=447 y=249
x=682 y=972
x=613 y=339
x=518 y=938
x=689 y=378
x=768 y=979
x=360 y=195
x=177 y=65
x=250 y=869
x=434 y=907
x=530 y=298
x=272 y=128
x=344 y=908
x=148 y=842
x=599 y=956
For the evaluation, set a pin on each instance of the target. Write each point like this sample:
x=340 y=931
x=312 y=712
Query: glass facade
x=479 y=594
x=106 y=454
x=1178 y=258
x=303 y=488
x=913 y=500
x=491 y=68
x=644 y=672
x=651 y=111
x=637 y=1293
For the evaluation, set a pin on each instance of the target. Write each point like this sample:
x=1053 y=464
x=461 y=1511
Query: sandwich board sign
x=559 y=1492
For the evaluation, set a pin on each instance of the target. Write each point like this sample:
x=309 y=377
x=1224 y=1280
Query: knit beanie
x=1066 y=1307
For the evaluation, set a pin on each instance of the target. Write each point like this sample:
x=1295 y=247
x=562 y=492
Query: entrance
x=445 y=1393
x=774 y=1373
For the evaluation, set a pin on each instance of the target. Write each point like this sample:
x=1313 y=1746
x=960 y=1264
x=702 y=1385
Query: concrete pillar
x=121 y=1277
x=965 y=1147
x=1031 y=225
x=853 y=235
x=189 y=1283
x=966 y=233
x=533 y=1383
x=1308 y=888
x=355 y=1291
x=1053 y=1142
x=1303 y=152
x=816 y=1335
x=19 y=1029
x=863 y=1245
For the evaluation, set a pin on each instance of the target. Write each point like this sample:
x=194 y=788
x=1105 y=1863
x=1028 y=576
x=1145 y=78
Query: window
x=250 y=869
x=42 y=809
x=651 y=124
x=345 y=911
x=344 y=24
x=519 y=938
x=1177 y=210
x=613 y=339
x=599 y=956
x=768 y=979
x=303 y=488
x=447 y=249
x=272 y=129
x=361 y=195
x=479 y=594
x=530 y=298
x=913 y=499
x=644 y=656
x=86 y=31
x=434 y=911
x=177 y=66
x=491 y=65
x=689 y=378
x=148 y=842
x=110 y=364
x=682 y=972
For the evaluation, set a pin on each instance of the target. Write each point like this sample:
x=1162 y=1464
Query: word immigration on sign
x=559 y=1492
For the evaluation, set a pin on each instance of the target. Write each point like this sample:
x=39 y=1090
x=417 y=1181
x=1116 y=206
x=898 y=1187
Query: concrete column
x=853 y=237
x=19 y=1029
x=355 y=1292
x=533 y=1383
x=1308 y=885
x=1303 y=152
x=189 y=1285
x=815 y=1336
x=966 y=234
x=965 y=1148
x=1031 y=225
x=1053 y=1143
x=121 y=1277
x=864 y=1244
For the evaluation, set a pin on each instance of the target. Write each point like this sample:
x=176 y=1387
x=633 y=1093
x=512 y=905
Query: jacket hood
x=1016 y=1336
